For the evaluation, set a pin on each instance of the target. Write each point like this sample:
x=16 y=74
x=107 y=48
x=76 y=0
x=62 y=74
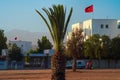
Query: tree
x=3 y=41
x=115 y=49
x=74 y=46
x=33 y=51
x=105 y=46
x=57 y=26
x=44 y=43
x=92 y=47
x=15 y=53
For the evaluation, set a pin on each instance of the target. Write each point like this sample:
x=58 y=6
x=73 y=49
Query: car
x=80 y=64
x=69 y=64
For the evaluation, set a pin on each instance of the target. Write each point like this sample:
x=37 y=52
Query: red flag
x=15 y=38
x=89 y=9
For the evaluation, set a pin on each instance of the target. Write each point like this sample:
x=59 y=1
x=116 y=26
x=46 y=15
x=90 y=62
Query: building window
x=102 y=26
x=119 y=26
x=106 y=26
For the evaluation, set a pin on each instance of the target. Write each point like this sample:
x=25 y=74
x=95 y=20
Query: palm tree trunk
x=58 y=66
x=74 y=64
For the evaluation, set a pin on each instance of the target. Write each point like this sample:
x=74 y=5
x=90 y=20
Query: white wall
x=93 y=26
x=111 y=31
x=77 y=25
x=87 y=28
x=24 y=45
x=118 y=24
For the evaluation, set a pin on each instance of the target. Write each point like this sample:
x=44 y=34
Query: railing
x=11 y=65
x=3 y=64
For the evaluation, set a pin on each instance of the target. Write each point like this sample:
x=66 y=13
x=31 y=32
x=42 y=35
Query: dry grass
x=97 y=74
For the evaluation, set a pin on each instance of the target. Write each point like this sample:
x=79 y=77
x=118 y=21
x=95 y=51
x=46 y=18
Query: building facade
x=109 y=27
x=25 y=46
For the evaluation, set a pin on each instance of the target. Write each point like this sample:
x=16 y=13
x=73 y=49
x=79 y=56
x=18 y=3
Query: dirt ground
x=81 y=74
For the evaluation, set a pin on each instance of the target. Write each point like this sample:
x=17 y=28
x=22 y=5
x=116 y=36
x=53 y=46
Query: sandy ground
x=81 y=74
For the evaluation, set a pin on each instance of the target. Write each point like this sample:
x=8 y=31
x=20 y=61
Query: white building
x=77 y=25
x=109 y=27
x=24 y=45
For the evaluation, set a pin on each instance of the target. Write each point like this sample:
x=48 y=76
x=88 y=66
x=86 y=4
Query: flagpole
x=92 y=15
x=90 y=10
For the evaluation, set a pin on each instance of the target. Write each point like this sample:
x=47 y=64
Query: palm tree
x=57 y=26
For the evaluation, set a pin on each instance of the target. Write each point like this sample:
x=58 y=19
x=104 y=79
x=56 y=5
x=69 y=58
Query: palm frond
x=46 y=24
x=57 y=26
x=66 y=24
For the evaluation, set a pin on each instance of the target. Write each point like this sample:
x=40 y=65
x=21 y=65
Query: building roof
x=39 y=55
x=99 y=19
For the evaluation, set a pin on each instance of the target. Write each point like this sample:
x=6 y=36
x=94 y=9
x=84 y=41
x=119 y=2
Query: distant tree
x=15 y=53
x=3 y=40
x=74 y=46
x=33 y=51
x=27 y=58
x=44 y=43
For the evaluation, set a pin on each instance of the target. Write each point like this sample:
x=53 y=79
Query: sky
x=20 y=14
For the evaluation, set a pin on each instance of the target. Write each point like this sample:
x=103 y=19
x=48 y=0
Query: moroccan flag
x=89 y=9
x=15 y=38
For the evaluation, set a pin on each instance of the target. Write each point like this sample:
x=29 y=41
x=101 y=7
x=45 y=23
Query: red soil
x=81 y=74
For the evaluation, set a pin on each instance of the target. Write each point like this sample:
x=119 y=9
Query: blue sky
x=20 y=14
